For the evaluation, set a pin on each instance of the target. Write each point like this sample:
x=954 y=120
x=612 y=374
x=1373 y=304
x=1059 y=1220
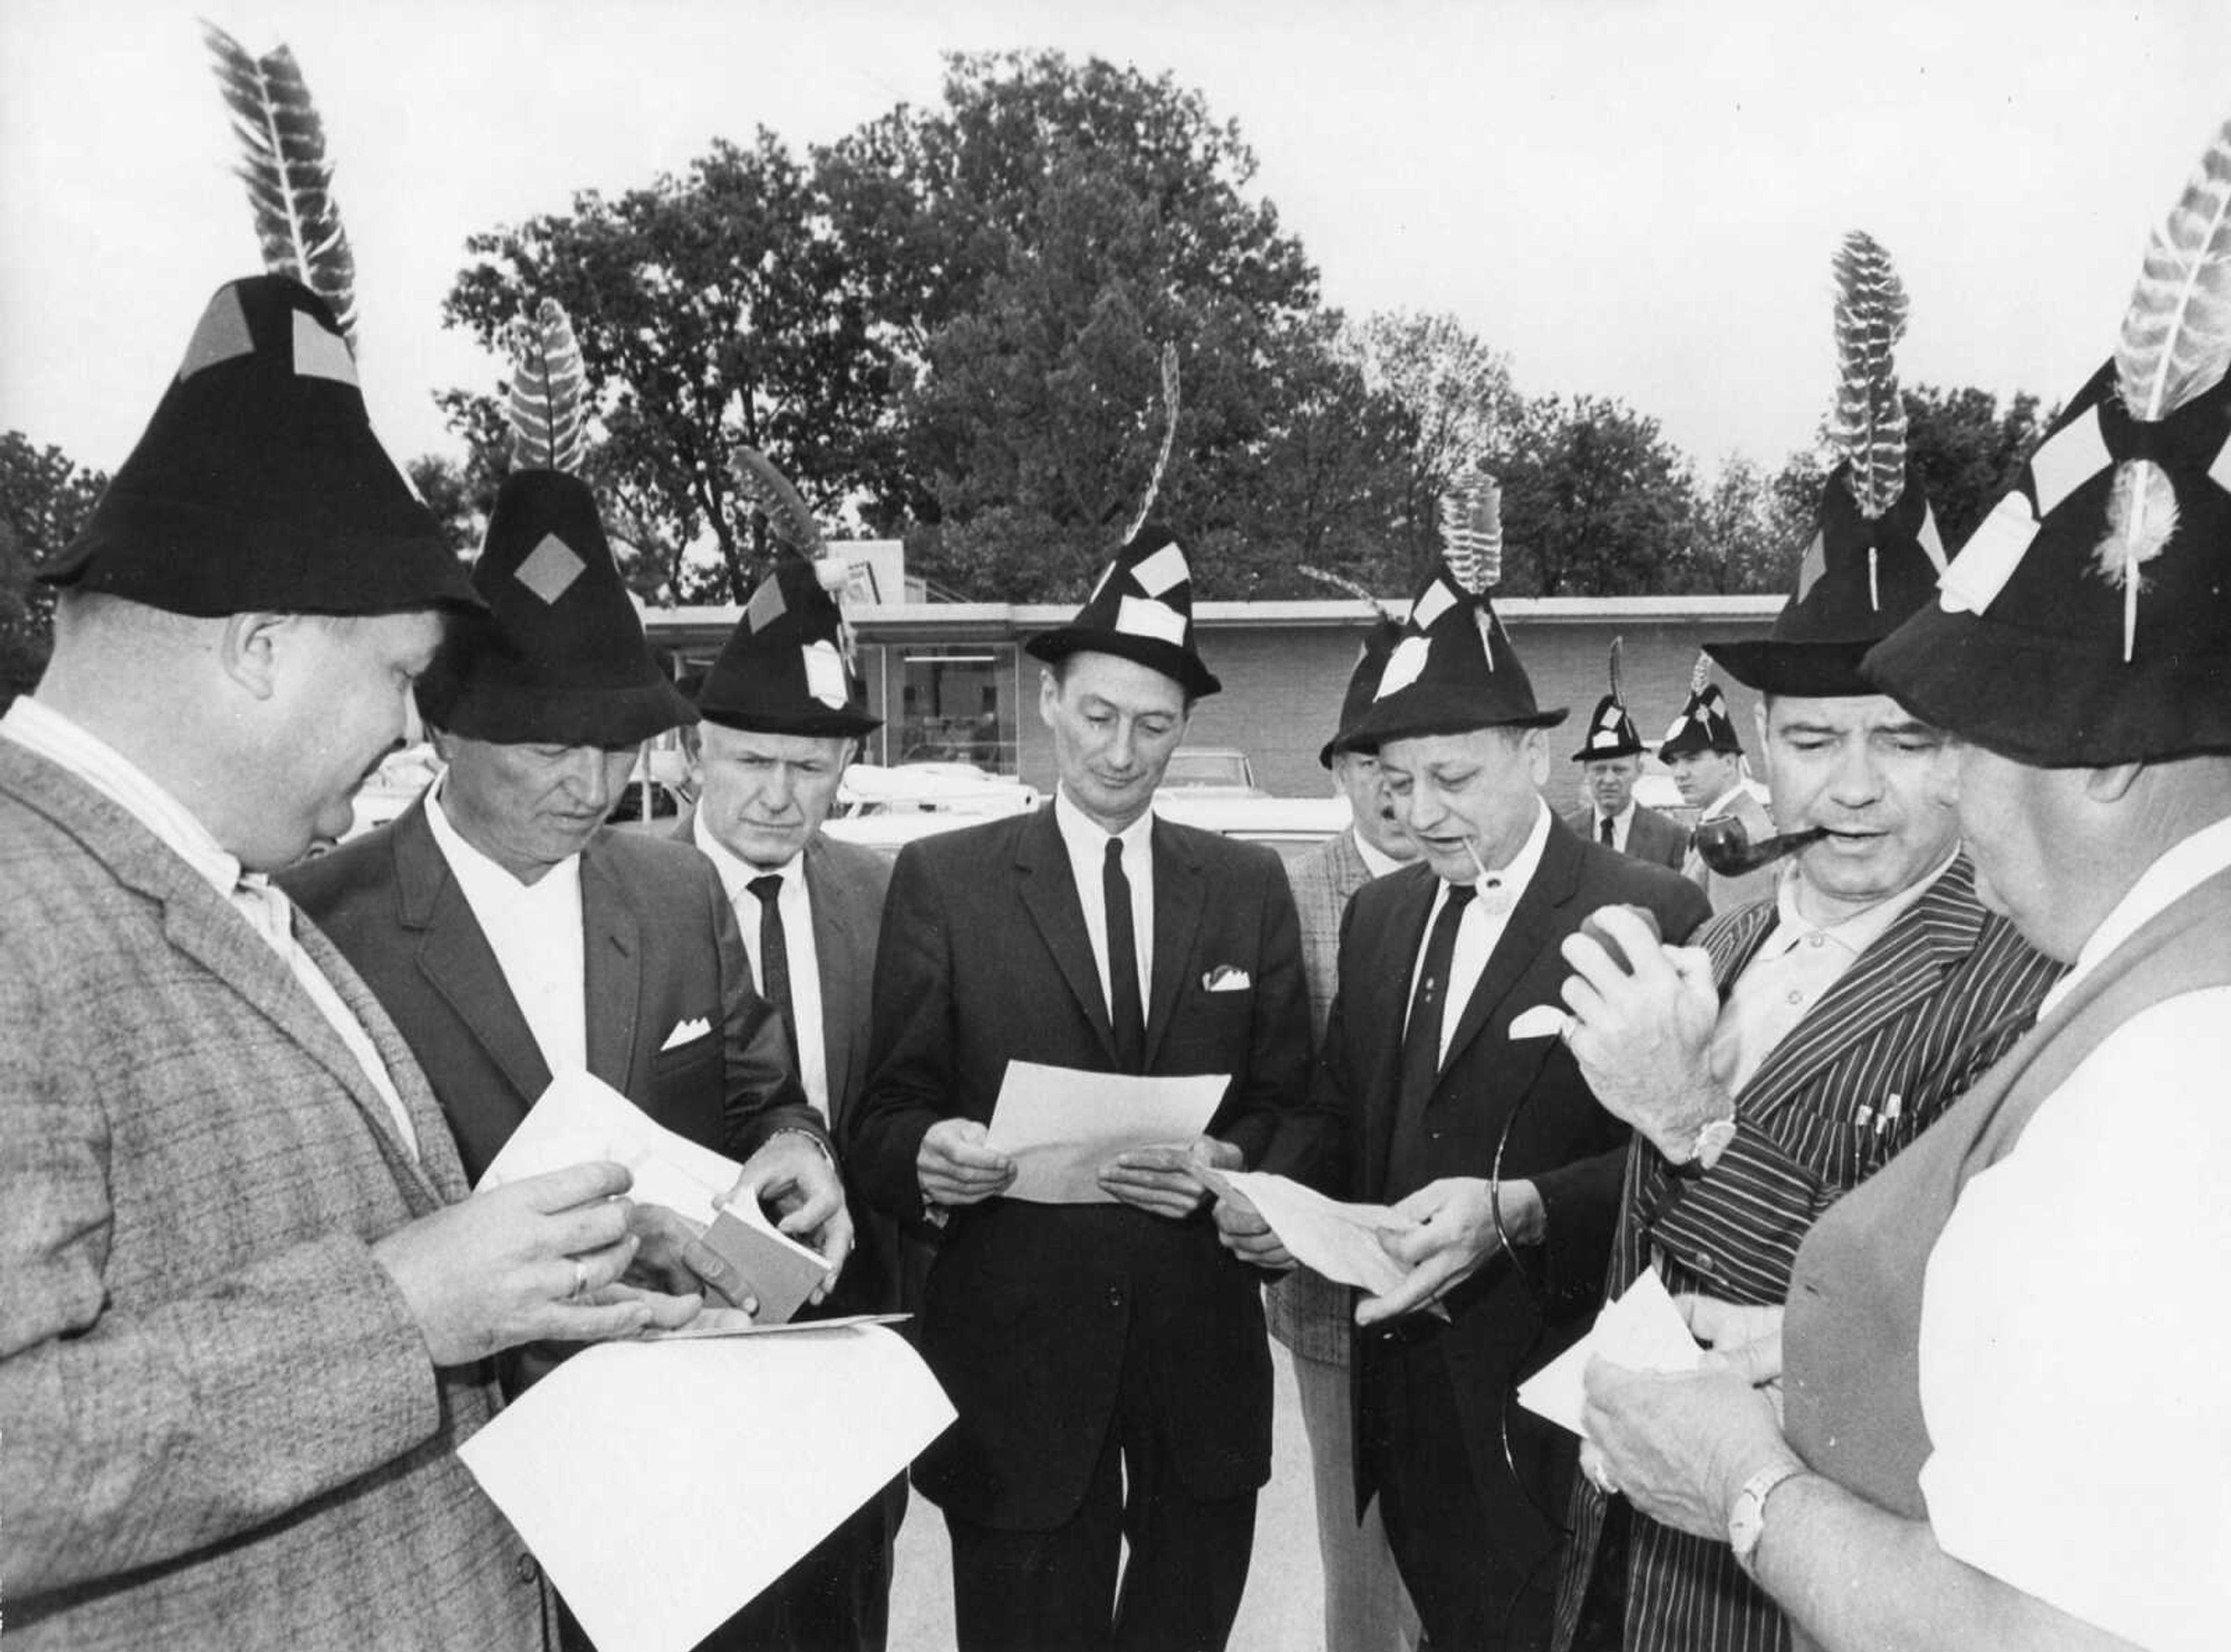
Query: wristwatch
x=1747 y=1519
x=1712 y=1140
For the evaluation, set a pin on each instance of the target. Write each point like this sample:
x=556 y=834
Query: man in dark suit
x=1492 y=1149
x=1107 y=1359
x=1814 y=1035
x=513 y=936
x=782 y=714
x=1611 y=762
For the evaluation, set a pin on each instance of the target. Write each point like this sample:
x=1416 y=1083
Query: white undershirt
x=1375 y=864
x=39 y=728
x=1087 y=844
x=1622 y=824
x=1480 y=925
x=534 y=930
x=799 y=953
x=2074 y=1334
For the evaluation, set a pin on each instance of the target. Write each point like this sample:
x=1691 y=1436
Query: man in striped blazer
x=1812 y=1035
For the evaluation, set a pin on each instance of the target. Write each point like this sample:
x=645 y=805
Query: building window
x=956 y=704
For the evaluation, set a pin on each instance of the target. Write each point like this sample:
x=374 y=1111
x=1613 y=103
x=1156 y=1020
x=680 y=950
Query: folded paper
x=1643 y=1330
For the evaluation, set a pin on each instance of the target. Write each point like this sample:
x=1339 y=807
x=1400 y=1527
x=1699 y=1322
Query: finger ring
x=1601 y=1473
x=580 y=1281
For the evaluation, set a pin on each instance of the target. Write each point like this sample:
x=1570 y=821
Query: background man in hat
x=2004 y=1424
x=1707 y=756
x=513 y=936
x=1421 y=1097
x=783 y=714
x=1108 y=1360
x=248 y=1304
x=1611 y=762
x=1835 y=1022
x=1366 y=1605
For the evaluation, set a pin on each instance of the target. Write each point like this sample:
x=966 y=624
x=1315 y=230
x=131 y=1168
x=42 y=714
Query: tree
x=1595 y=501
x=1749 y=529
x=1969 y=453
x=45 y=497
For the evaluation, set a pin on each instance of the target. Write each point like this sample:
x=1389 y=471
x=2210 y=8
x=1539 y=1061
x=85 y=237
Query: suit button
x=1705 y=1263
x=528 y=1571
x=1115 y=1296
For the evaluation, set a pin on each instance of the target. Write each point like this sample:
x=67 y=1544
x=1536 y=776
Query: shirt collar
x=1500 y=889
x=68 y=744
x=1379 y=865
x=1620 y=818
x=1855 y=933
x=486 y=879
x=736 y=873
x=2185 y=866
x=1087 y=840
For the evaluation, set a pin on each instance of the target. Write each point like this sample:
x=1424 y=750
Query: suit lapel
x=839 y=944
x=456 y=960
x=611 y=972
x=1394 y=960
x=1531 y=927
x=1178 y=900
x=1049 y=893
x=435 y=1175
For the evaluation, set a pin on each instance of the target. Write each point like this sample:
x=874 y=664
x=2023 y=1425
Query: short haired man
x=1107 y=1359
x=782 y=714
x=1424 y=1102
x=1999 y=1414
x=248 y=1302
x=1705 y=755
x=1611 y=762
x=1818 y=1035
x=1365 y=1604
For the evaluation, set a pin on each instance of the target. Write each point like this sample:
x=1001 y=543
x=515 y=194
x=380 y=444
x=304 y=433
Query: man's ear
x=250 y=647
x=1049 y=697
x=1536 y=742
x=2111 y=784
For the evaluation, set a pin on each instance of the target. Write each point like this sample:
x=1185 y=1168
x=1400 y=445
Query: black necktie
x=1421 y=1041
x=1125 y=1013
x=1604 y=827
x=774 y=952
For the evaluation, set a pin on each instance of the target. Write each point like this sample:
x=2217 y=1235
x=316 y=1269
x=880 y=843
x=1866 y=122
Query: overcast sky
x=1636 y=199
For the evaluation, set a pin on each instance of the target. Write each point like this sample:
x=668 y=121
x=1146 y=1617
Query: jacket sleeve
x=761 y=1094
x=910 y=1046
x=1278 y=1038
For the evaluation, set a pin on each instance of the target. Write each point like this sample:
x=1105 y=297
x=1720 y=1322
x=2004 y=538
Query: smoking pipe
x=1725 y=845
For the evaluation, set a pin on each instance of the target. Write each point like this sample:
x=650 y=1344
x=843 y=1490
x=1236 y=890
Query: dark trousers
x=836 y=1598
x=1056 y=1591
x=1470 y=1597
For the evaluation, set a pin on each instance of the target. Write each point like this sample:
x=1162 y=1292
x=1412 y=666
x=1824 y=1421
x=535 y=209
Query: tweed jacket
x=222 y=1424
x=1031 y=1311
x=660 y=950
x=1922 y=1015
x=1307 y=1312
x=1728 y=895
x=1650 y=837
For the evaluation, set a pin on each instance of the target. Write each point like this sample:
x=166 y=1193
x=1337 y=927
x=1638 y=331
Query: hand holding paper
x=1166 y=1181
x=1450 y=1231
x=955 y=1167
x=1642 y=1331
x=1062 y=1127
x=1341 y=1242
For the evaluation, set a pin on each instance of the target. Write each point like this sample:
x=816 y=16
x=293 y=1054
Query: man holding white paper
x=1107 y=1358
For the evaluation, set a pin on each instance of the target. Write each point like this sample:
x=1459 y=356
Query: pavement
x=1281 y=1611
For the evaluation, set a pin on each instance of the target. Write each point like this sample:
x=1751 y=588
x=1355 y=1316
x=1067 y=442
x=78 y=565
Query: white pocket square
x=1543 y=1021
x=1226 y=978
x=695 y=1027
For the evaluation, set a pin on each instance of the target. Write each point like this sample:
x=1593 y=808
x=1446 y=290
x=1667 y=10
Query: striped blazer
x=1922 y=1015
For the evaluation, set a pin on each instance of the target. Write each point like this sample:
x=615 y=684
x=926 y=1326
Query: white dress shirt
x=1373 y=862
x=1481 y=924
x=1622 y=824
x=534 y=930
x=799 y=953
x=40 y=728
x=1087 y=844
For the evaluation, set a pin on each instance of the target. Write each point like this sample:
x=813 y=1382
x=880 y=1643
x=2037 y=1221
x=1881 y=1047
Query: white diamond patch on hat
x=825 y=674
x=320 y=354
x=1932 y=542
x=551 y=568
x=1166 y=568
x=1403 y=666
x=2220 y=472
x=768 y=605
x=1436 y=600
x=221 y=335
x=1136 y=618
x=1994 y=551
x=1810 y=570
x=2069 y=460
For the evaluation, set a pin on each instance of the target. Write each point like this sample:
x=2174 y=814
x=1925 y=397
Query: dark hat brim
x=507 y=715
x=1423 y=710
x=1809 y=670
x=1182 y=666
x=1635 y=749
x=2029 y=698
x=819 y=724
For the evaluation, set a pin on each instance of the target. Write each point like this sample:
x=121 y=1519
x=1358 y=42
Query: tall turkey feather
x=2174 y=347
x=289 y=181
x=1868 y=425
x=1342 y=582
x=548 y=407
x=1700 y=674
x=1616 y=694
x=1471 y=530
x=788 y=517
x=1169 y=439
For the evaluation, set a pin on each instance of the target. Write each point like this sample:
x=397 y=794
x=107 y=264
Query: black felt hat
x=560 y=657
x=259 y=483
x=785 y=669
x=1140 y=611
x=1452 y=670
x=1705 y=724
x=1362 y=684
x=1612 y=733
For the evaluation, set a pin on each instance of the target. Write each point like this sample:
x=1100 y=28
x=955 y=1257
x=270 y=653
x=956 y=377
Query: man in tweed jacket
x=246 y=1317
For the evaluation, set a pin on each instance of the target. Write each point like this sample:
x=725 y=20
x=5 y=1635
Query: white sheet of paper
x=1060 y=1124
x=663 y=1485
x=1339 y=1241
x=1642 y=1331
x=581 y=1120
x=734 y=1322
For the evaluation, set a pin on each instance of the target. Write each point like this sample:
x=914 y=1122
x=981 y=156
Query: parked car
x=645 y=805
x=1212 y=769
x=884 y=808
x=392 y=788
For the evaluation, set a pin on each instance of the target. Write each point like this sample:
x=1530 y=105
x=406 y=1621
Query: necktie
x=1125 y=1013
x=1603 y=831
x=1421 y=1041
x=774 y=952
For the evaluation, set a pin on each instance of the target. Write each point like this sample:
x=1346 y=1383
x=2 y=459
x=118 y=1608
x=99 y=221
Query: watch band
x=1746 y=1517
